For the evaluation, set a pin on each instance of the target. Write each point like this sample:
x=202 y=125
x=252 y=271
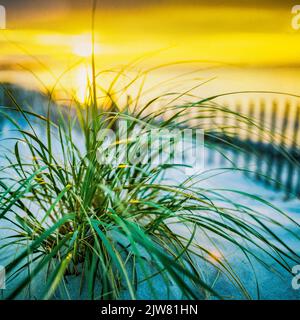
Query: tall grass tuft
x=77 y=227
x=89 y=229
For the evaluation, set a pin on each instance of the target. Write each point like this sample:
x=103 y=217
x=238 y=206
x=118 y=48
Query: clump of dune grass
x=120 y=227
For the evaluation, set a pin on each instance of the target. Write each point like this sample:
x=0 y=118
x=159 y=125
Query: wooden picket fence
x=262 y=138
x=259 y=135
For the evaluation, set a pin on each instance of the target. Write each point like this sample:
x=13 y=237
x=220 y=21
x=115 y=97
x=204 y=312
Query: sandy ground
x=271 y=285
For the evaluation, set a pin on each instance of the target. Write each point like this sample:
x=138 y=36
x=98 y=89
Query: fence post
x=224 y=153
x=272 y=151
x=297 y=150
x=282 y=146
x=293 y=152
x=249 y=141
x=260 y=155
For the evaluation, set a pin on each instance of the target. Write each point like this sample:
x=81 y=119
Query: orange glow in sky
x=243 y=48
